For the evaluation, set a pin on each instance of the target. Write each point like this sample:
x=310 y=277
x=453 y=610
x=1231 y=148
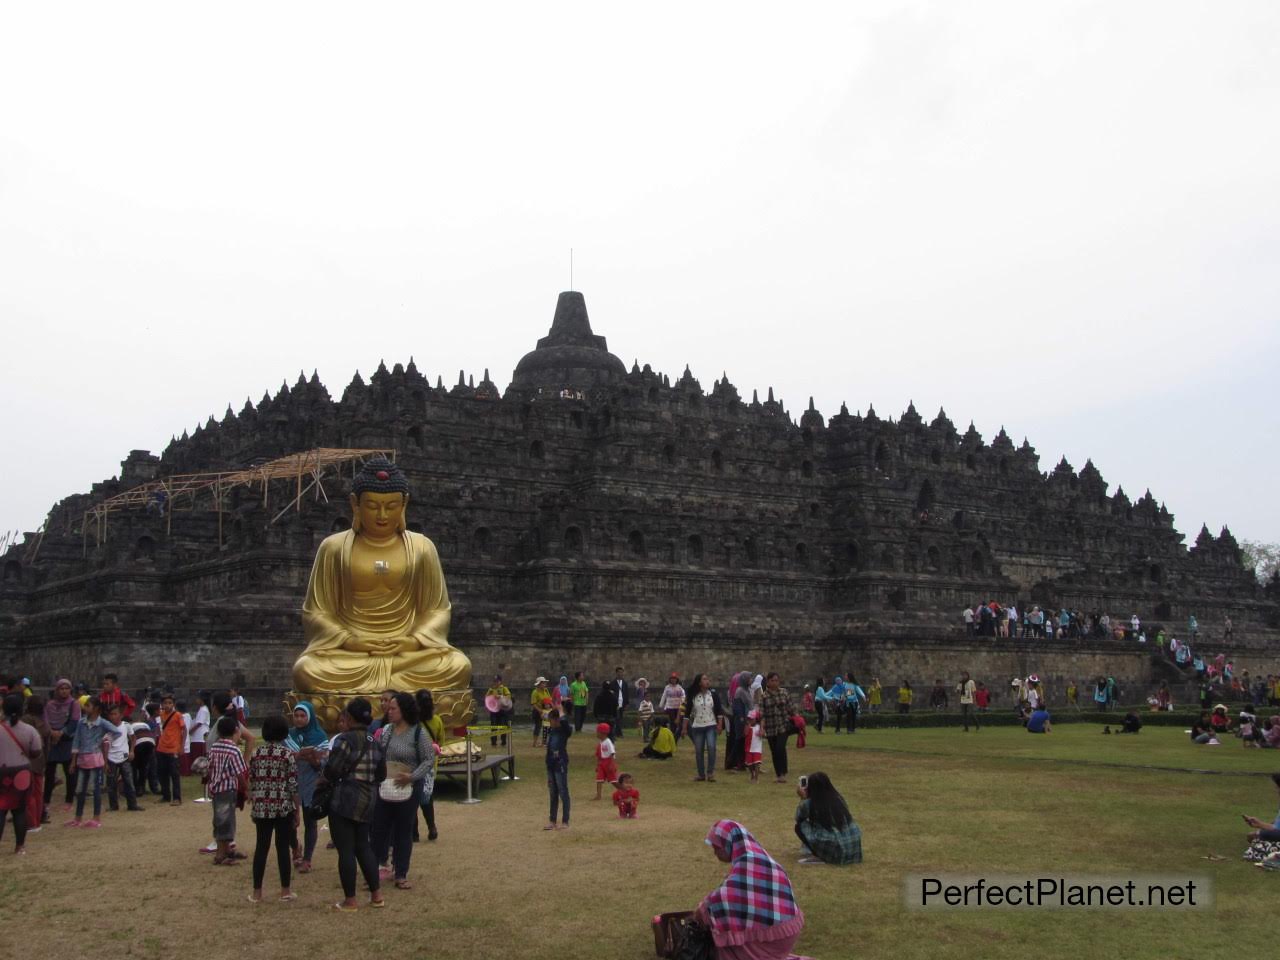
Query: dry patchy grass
x=495 y=883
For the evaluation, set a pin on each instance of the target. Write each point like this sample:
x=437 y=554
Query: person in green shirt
x=435 y=729
x=579 y=690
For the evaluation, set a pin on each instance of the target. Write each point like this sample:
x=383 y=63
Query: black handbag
x=321 y=801
x=322 y=796
x=695 y=942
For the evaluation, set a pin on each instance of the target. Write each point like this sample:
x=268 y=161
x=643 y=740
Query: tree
x=1262 y=558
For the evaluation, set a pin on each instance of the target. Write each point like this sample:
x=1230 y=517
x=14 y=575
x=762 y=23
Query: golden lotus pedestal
x=456 y=708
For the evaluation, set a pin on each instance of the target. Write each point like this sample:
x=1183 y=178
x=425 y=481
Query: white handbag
x=393 y=792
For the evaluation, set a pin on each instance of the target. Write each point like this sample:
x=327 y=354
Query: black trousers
x=498 y=718
x=50 y=774
x=144 y=767
x=735 y=753
x=392 y=831
x=967 y=713
x=351 y=837
x=169 y=766
x=282 y=829
x=846 y=714
x=19 y=822
x=778 y=753
x=579 y=717
x=122 y=771
x=429 y=815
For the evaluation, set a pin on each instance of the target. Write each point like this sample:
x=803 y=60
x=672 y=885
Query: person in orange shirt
x=169 y=750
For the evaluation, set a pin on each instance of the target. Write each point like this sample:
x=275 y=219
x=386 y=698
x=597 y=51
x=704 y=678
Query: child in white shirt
x=606 y=765
x=755 y=745
x=120 y=762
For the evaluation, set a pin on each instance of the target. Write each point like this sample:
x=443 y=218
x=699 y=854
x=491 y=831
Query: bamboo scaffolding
x=171 y=492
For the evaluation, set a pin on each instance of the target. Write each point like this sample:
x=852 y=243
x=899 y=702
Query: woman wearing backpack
x=410 y=758
x=353 y=770
x=19 y=745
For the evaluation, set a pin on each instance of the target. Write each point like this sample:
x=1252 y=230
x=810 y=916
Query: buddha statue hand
x=377 y=646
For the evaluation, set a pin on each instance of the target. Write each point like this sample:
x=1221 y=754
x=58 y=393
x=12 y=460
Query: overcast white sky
x=1059 y=217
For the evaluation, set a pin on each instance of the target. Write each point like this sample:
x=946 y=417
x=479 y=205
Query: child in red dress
x=606 y=765
x=982 y=697
x=626 y=798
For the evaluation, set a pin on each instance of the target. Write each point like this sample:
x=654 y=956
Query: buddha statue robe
x=385 y=627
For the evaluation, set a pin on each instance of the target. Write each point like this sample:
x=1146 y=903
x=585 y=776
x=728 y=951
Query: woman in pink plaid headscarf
x=753 y=915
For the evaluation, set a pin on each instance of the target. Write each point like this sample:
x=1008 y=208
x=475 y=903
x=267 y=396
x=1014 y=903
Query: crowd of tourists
x=370 y=780
x=373 y=778
x=991 y=618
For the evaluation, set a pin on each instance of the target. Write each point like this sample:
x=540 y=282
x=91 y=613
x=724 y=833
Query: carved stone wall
x=592 y=514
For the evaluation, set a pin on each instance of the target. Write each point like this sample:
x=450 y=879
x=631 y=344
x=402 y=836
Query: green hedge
x=1007 y=718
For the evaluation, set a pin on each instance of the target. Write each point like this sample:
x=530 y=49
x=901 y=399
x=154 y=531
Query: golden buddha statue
x=376 y=615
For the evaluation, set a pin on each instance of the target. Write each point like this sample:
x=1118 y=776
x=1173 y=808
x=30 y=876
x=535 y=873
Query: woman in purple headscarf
x=62 y=714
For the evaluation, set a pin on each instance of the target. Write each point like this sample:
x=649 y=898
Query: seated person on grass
x=1038 y=722
x=662 y=743
x=1132 y=723
x=1264 y=830
x=824 y=825
x=753 y=915
x=1219 y=720
x=1202 y=730
x=1271 y=733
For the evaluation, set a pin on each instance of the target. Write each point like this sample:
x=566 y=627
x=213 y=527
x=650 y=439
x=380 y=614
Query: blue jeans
x=704 y=738
x=83 y=778
x=558 y=788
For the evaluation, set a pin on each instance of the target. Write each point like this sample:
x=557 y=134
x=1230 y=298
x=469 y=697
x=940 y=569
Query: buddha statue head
x=379 y=498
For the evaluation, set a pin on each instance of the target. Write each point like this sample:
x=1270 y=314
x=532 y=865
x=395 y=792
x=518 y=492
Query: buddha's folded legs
x=342 y=672
x=443 y=668
x=432 y=668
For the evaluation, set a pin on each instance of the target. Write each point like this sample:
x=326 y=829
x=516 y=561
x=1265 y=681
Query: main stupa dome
x=570 y=357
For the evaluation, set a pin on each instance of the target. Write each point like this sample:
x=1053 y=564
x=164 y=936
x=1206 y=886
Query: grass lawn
x=1072 y=743
x=929 y=801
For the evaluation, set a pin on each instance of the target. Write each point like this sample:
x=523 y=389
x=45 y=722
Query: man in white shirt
x=120 y=762
x=967 y=688
x=199 y=728
x=968 y=620
x=1035 y=696
x=184 y=762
